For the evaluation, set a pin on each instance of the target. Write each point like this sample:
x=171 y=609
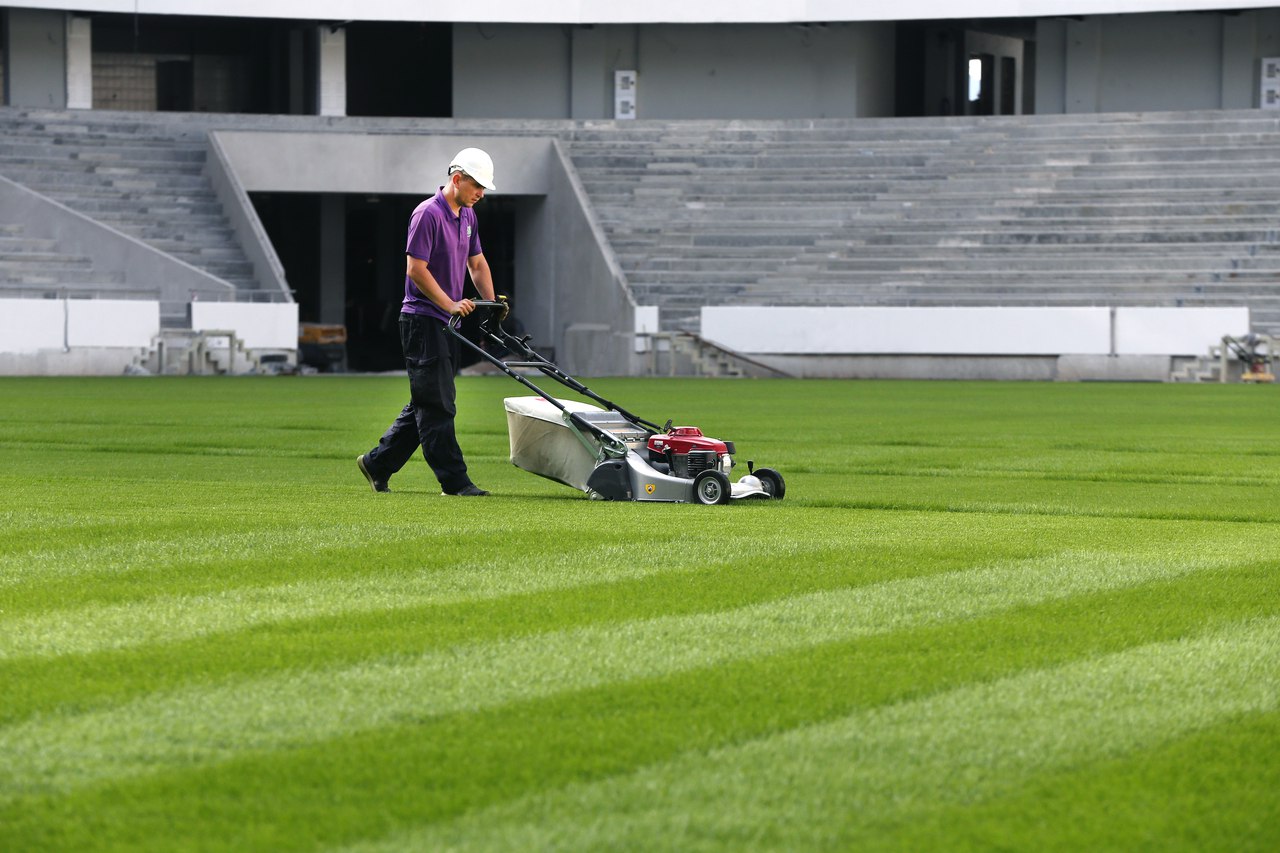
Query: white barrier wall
x=1176 y=331
x=31 y=325
x=940 y=331
x=112 y=322
x=971 y=331
x=646 y=323
x=272 y=325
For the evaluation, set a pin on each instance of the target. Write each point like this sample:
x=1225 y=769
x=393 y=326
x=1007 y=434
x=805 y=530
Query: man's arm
x=416 y=269
x=481 y=277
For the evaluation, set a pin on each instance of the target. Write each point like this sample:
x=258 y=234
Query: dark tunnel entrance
x=343 y=255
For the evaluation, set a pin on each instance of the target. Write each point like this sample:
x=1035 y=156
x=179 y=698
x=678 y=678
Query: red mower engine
x=687 y=452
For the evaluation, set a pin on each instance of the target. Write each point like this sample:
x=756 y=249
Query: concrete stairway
x=36 y=267
x=1158 y=209
x=142 y=178
x=182 y=352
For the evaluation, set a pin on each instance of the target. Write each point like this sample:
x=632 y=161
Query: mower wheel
x=711 y=487
x=774 y=486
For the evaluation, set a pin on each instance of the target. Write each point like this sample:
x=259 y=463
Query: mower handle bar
x=531 y=358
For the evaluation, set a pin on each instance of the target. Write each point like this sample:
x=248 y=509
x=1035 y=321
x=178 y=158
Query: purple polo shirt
x=445 y=242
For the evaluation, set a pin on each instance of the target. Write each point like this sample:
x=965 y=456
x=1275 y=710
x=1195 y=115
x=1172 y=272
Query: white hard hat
x=475 y=163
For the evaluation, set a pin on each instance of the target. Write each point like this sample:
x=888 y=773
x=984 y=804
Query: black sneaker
x=470 y=490
x=376 y=485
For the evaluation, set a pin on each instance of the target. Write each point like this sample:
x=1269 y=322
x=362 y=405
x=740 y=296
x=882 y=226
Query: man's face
x=468 y=191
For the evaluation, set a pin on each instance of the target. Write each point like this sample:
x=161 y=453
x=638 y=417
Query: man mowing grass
x=443 y=245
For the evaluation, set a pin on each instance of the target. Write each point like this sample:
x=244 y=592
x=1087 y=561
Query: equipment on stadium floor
x=605 y=450
x=1256 y=352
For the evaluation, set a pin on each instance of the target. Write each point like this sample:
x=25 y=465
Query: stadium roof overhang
x=648 y=12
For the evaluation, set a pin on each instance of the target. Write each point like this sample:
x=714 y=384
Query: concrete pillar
x=1239 y=62
x=333 y=71
x=35 y=56
x=1051 y=58
x=333 y=259
x=588 y=95
x=79 y=63
x=1083 y=66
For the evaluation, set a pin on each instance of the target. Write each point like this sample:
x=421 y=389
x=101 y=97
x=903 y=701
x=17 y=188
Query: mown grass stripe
x=1174 y=796
x=175 y=618
x=370 y=784
x=826 y=785
x=488 y=574
x=61 y=752
x=226 y=588
x=198 y=547
x=190 y=549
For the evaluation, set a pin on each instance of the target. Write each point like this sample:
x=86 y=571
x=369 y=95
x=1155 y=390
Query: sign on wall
x=1270 y=96
x=624 y=94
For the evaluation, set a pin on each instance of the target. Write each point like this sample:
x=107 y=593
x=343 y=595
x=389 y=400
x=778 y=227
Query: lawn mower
x=605 y=451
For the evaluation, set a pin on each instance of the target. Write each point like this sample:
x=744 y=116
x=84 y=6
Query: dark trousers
x=430 y=356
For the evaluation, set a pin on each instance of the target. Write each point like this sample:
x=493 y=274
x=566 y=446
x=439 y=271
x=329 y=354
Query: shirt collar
x=444 y=203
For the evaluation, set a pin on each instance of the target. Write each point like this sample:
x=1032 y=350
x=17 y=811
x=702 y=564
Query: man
x=443 y=246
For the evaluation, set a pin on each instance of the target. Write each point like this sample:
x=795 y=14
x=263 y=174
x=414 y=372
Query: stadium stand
x=1162 y=209
x=143 y=177
x=1158 y=209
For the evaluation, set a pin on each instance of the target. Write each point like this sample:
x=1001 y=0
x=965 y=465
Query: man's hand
x=463 y=308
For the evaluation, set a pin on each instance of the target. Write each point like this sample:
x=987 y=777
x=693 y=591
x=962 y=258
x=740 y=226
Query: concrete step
x=1030 y=265
x=49 y=180
x=85 y=288
x=13 y=242
x=63 y=273
x=38 y=148
x=10 y=257
x=981 y=279
x=153 y=207
x=168 y=238
x=116 y=164
x=864 y=218
x=965 y=237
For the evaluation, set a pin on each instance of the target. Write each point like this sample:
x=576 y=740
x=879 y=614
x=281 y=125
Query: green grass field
x=986 y=616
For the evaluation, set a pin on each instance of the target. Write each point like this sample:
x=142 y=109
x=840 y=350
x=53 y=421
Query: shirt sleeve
x=421 y=236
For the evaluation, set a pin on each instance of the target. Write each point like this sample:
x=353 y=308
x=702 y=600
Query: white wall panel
x=30 y=325
x=260 y=326
x=920 y=331
x=972 y=331
x=1176 y=331
x=112 y=322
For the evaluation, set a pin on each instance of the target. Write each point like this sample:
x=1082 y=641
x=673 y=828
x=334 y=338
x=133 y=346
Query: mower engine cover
x=683 y=439
x=686 y=451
